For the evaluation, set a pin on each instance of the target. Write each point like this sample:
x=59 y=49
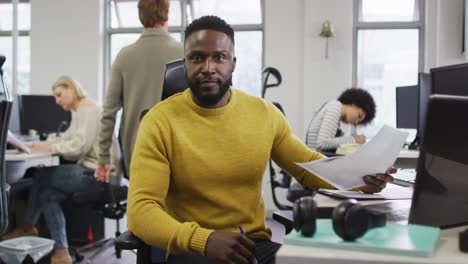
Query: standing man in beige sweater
x=136 y=81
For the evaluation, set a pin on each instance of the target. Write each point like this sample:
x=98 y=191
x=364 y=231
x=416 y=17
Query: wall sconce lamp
x=327 y=32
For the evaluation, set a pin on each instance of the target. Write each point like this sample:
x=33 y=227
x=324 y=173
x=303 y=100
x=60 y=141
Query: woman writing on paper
x=52 y=184
x=354 y=106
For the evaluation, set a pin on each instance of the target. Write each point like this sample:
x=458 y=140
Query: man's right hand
x=102 y=172
x=229 y=248
x=361 y=139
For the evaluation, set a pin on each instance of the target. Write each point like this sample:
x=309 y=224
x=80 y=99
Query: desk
x=17 y=163
x=446 y=251
x=407 y=159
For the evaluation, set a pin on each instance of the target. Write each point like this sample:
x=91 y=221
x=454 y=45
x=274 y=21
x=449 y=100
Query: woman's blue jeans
x=51 y=185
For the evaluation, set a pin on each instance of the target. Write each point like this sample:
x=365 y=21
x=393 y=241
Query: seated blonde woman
x=53 y=184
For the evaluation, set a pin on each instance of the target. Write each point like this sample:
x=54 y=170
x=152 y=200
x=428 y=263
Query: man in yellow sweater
x=197 y=168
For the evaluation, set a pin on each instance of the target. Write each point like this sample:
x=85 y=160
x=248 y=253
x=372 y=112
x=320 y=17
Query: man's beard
x=209 y=99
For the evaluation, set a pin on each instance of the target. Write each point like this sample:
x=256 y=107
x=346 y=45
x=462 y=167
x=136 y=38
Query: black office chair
x=175 y=81
x=6 y=102
x=111 y=202
x=278 y=177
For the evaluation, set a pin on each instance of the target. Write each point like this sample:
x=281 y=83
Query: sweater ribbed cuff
x=104 y=159
x=198 y=240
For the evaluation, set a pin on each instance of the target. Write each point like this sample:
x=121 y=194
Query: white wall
x=284 y=49
x=325 y=79
x=293 y=45
x=67 y=38
x=444 y=33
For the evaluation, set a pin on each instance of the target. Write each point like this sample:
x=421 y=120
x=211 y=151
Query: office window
x=388 y=52
x=15 y=23
x=124 y=28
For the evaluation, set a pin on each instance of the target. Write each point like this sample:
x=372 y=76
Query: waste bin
x=14 y=251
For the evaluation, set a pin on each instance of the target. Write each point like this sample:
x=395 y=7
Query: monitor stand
x=415 y=144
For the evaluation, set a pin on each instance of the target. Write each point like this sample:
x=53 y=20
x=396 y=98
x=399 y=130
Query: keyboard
x=404 y=177
x=396 y=211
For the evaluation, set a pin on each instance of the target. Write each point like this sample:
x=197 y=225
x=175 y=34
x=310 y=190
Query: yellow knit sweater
x=197 y=170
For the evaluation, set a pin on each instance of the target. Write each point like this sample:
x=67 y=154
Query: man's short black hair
x=209 y=23
x=362 y=99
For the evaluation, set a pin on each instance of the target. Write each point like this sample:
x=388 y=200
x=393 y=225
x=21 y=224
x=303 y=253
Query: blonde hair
x=152 y=12
x=67 y=82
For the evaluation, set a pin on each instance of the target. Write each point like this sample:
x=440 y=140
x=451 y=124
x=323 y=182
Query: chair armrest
x=129 y=241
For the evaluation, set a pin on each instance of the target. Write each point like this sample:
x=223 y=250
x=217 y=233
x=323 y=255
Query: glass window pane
x=118 y=41
x=24 y=65
x=235 y=12
x=389 y=10
x=380 y=72
x=24 y=16
x=6 y=48
x=6 y=17
x=124 y=14
x=248 y=51
x=176 y=35
x=175 y=14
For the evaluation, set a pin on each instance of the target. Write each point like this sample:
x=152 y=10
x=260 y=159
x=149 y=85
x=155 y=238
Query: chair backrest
x=273 y=72
x=6 y=103
x=175 y=79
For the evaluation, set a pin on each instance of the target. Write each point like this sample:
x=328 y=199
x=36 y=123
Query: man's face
x=209 y=63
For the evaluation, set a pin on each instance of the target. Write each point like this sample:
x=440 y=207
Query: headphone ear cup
x=297 y=215
x=305 y=214
x=350 y=220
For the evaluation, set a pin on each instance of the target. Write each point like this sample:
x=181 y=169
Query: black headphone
x=350 y=219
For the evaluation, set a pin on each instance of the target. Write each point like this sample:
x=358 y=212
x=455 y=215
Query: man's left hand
x=376 y=183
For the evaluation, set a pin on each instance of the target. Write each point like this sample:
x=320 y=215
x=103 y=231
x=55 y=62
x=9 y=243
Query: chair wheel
x=78 y=257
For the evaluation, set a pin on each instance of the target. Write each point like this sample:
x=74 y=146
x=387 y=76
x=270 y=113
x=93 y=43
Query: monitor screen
x=424 y=83
x=452 y=80
x=440 y=195
x=41 y=113
x=407 y=107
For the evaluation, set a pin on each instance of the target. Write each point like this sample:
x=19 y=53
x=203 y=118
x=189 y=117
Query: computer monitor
x=407 y=106
x=440 y=196
x=424 y=83
x=452 y=80
x=41 y=113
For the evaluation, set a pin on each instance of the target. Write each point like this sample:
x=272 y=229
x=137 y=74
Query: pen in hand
x=254 y=259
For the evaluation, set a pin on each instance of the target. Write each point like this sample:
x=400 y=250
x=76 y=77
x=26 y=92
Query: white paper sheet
x=12 y=139
x=376 y=156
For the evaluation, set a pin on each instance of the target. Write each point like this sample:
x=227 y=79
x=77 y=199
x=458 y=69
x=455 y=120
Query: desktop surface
x=446 y=251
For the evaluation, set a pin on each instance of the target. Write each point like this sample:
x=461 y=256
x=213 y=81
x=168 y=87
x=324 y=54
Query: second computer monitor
x=41 y=113
x=451 y=80
x=407 y=106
